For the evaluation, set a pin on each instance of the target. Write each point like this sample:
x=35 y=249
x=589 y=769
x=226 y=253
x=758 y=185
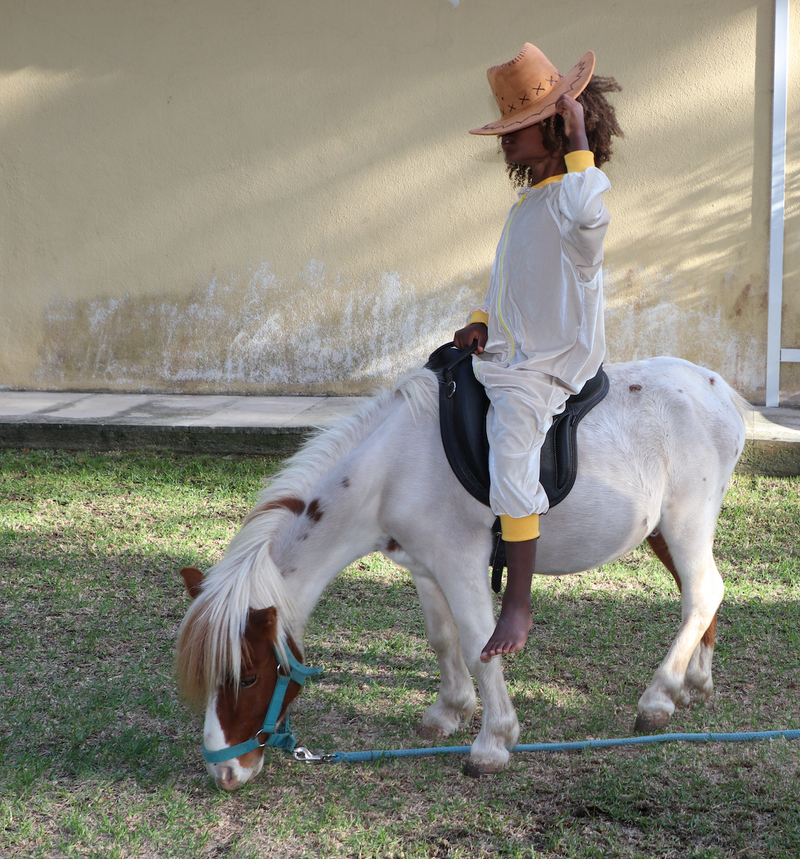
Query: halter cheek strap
x=284 y=739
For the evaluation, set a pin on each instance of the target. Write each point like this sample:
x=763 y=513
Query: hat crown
x=520 y=83
x=527 y=88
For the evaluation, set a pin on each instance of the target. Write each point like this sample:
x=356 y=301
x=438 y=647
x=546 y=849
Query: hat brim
x=574 y=83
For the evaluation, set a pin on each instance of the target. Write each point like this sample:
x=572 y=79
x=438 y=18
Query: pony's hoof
x=476 y=770
x=430 y=732
x=646 y=723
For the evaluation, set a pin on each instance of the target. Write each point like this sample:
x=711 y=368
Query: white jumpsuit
x=545 y=319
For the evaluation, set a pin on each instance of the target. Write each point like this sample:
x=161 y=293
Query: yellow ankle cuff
x=517 y=530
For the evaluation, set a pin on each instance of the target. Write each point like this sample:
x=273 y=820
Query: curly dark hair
x=601 y=125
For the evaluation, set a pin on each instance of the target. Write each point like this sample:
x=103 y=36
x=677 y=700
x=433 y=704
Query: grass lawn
x=99 y=757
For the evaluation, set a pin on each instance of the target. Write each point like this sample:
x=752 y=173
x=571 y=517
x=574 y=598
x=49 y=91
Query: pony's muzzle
x=231 y=775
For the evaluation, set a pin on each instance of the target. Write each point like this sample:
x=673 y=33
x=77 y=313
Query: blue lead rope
x=356 y=757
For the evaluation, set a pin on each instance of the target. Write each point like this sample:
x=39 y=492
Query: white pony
x=655 y=458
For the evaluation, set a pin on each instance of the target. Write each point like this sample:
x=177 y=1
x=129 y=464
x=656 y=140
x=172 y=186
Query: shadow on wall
x=681 y=288
x=686 y=276
x=689 y=285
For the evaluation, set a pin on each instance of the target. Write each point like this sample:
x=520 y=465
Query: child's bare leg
x=515 y=619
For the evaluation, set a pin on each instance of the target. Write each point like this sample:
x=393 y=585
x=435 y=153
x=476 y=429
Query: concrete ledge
x=272 y=441
x=773 y=443
x=183 y=423
x=770 y=458
x=274 y=426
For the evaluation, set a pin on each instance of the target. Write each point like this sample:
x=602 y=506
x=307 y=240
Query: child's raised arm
x=571 y=112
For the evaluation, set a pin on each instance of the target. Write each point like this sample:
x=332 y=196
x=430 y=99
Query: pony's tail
x=740 y=403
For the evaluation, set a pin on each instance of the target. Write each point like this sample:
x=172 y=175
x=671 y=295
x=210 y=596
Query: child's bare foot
x=510 y=634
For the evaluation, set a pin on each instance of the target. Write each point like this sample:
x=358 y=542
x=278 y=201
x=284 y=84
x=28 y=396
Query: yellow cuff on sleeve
x=578 y=161
x=479 y=316
x=517 y=530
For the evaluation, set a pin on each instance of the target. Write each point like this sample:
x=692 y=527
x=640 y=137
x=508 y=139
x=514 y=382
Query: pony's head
x=234 y=681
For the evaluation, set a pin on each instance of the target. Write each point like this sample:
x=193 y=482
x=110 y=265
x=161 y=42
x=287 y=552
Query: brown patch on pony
x=314 y=513
x=345 y=482
x=392 y=545
x=712 y=380
x=193 y=579
x=710 y=633
x=295 y=505
x=659 y=546
x=635 y=388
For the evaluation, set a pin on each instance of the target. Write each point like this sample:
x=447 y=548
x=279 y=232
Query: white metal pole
x=779 y=103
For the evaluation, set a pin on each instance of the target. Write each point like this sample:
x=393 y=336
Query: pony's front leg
x=455 y=704
x=468 y=594
x=447 y=533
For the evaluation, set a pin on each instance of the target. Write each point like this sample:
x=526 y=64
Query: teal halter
x=284 y=738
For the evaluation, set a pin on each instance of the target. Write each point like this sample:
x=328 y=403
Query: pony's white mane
x=210 y=638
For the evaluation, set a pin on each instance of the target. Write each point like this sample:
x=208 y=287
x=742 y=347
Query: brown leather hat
x=527 y=88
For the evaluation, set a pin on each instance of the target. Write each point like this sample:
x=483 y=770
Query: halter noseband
x=284 y=739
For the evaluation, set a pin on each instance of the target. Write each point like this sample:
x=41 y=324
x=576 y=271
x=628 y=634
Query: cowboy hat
x=527 y=88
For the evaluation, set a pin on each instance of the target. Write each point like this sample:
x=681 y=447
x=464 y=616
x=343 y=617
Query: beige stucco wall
x=790 y=334
x=270 y=196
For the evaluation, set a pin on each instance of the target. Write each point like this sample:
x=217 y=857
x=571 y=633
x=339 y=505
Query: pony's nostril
x=227 y=780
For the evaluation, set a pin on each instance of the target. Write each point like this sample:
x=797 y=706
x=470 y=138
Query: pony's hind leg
x=686 y=670
x=699 y=680
x=456 y=702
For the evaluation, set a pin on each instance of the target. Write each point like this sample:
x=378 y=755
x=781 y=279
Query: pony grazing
x=656 y=456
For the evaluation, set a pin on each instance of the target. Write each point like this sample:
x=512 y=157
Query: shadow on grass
x=89 y=687
x=87 y=671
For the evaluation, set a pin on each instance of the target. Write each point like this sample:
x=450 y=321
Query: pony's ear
x=194 y=580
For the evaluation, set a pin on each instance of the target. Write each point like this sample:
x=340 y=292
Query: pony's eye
x=245 y=682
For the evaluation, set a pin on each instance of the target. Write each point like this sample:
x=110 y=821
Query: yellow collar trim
x=577 y=162
x=549 y=180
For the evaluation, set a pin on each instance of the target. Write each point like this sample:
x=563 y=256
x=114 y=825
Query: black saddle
x=463 y=405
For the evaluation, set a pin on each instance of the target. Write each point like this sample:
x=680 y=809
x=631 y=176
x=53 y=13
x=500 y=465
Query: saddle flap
x=462 y=418
x=463 y=406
